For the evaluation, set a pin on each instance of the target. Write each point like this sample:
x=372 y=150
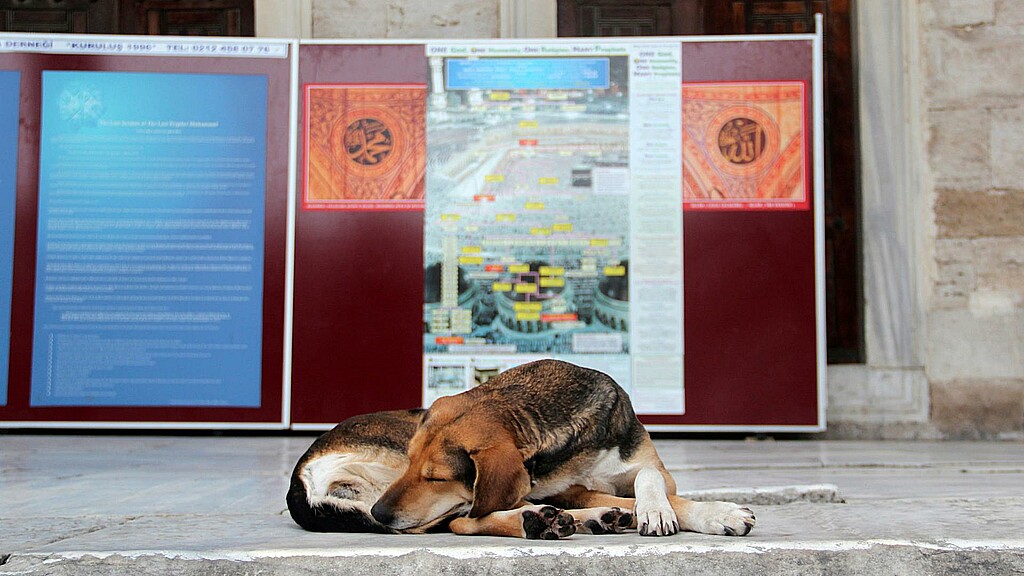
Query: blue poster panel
x=527 y=73
x=149 y=271
x=9 y=100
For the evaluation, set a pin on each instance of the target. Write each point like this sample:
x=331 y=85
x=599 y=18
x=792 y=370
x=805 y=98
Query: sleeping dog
x=543 y=450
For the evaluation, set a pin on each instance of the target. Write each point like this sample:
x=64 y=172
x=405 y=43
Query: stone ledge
x=736 y=556
x=770 y=495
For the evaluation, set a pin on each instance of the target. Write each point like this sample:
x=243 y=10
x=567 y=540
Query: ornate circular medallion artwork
x=365 y=147
x=742 y=141
x=368 y=141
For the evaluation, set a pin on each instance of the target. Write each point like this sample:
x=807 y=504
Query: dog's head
x=460 y=461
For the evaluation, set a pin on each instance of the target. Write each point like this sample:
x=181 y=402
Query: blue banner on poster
x=149 y=272
x=10 y=97
x=527 y=73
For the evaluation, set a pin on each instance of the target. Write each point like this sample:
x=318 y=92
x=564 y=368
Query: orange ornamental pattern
x=365 y=147
x=744 y=146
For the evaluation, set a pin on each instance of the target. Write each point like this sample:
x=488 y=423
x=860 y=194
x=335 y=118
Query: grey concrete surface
x=215 y=505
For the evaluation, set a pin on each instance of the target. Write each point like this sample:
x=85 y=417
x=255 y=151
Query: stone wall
x=405 y=19
x=974 y=113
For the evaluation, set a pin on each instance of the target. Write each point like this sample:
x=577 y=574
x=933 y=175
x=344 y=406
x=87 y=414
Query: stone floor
x=79 y=504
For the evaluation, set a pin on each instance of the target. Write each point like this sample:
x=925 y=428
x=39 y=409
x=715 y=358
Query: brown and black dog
x=543 y=450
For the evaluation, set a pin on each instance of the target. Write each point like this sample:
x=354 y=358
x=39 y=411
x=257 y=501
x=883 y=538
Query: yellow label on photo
x=614 y=270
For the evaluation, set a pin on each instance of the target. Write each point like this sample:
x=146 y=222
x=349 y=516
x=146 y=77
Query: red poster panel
x=750 y=278
x=358 y=312
x=34 y=56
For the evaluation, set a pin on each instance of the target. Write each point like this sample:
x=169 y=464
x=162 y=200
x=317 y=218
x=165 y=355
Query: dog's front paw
x=723 y=518
x=612 y=520
x=547 y=523
x=653 y=519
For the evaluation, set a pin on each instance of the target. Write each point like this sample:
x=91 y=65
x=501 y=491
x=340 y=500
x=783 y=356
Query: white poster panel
x=554 y=215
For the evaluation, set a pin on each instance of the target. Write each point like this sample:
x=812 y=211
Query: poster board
x=751 y=230
x=149 y=240
x=341 y=313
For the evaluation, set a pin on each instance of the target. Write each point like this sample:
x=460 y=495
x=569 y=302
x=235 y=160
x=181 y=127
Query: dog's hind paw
x=547 y=523
x=723 y=518
x=613 y=520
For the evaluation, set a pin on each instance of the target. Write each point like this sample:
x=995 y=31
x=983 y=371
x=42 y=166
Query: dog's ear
x=501 y=479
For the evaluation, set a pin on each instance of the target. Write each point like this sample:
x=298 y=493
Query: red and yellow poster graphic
x=745 y=146
x=365 y=147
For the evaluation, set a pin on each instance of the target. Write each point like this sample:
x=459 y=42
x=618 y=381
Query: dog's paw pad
x=617 y=520
x=612 y=520
x=547 y=523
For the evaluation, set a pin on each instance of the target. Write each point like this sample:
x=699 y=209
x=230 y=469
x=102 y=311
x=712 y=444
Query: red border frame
x=347 y=205
x=765 y=204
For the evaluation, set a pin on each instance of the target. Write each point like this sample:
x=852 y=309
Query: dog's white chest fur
x=604 y=472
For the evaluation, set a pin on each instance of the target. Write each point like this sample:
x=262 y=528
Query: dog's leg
x=531 y=521
x=723 y=518
x=603 y=520
x=655 y=515
x=596 y=512
x=655 y=489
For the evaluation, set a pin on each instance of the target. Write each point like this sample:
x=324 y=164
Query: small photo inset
x=481 y=374
x=446 y=379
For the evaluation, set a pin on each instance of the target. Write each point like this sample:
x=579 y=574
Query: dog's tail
x=330 y=513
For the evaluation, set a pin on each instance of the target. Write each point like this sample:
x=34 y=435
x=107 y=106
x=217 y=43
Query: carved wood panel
x=633 y=18
x=764 y=16
x=188 y=17
x=58 y=16
x=164 y=17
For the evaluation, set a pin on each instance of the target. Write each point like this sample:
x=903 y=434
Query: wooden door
x=844 y=321
x=163 y=17
x=66 y=16
x=188 y=18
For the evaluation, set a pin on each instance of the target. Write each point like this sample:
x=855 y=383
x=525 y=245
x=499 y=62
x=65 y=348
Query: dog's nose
x=382 y=514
